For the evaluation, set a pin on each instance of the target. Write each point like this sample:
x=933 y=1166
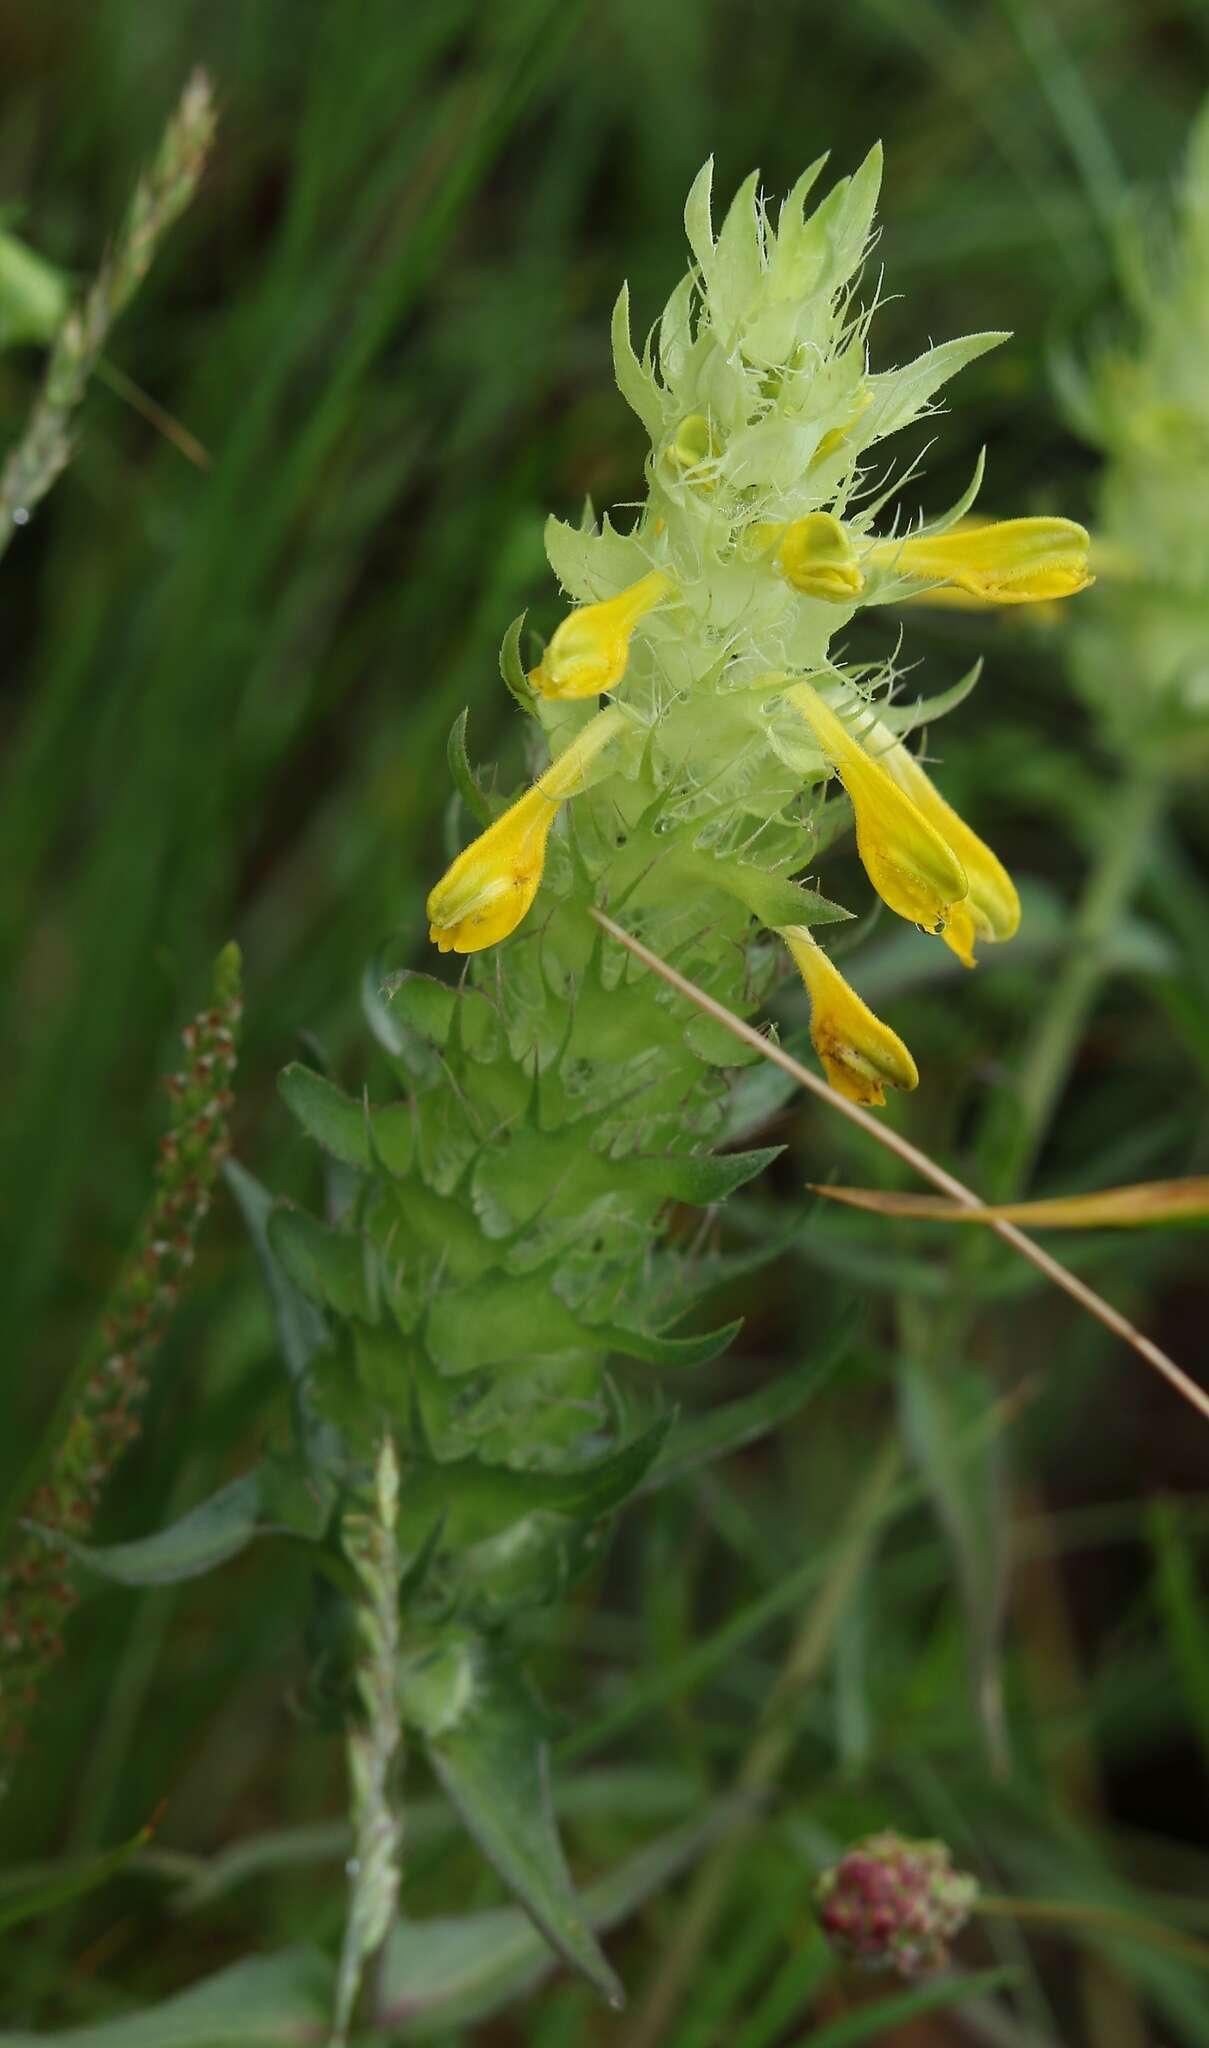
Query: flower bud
x=860 y=1055
x=491 y=885
x=893 y=1904
x=589 y=651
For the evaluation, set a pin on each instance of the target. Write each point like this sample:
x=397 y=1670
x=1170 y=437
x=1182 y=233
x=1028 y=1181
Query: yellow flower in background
x=491 y=885
x=1013 y=561
x=589 y=651
x=860 y=1055
x=909 y=862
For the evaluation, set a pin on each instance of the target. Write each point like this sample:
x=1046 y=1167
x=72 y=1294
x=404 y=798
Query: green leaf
x=479 y=1500
x=71 y=1883
x=942 y=1409
x=445 y=1973
x=352 y=1131
x=414 y=1058
x=512 y=1315
x=701 y=1178
x=771 y=898
x=206 y=1537
x=635 y=384
x=903 y=718
x=675 y=1351
x=512 y=668
x=329 y=1266
x=300 y=1330
x=1181 y=1605
x=276 y=2000
x=493 y=1762
x=899 y=396
x=723 y=1430
x=327 y=1114
x=462 y=772
x=870 y=2022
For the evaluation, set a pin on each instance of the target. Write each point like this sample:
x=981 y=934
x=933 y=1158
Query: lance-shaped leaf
x=355 y=1132
x=703 y=1438
x=445 y=1973
x=1149 y=1202
x=271 y=1999
x=476 y=1500
x=771 y=898
x=508 y=1316
x=463 y=774
x=512 y=668
x=27 y=1902
x=486 y=1740
x=299 y=1326
x=330 y=1267
x=207 y=1536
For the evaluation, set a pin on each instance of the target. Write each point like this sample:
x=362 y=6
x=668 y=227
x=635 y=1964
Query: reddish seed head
x=894 y=1905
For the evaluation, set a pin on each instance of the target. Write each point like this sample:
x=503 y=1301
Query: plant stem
x=373 y=1742
x=1111 y=1919
x=1134 y=811
x=770 y=1747
x=44 y=449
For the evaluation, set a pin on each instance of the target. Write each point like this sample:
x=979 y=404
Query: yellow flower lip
x=860 y=1055
x=490 y=887
x=910 y=863
x=590 y=650
x=991 y=909
x=816 y=555
x=1011 y=561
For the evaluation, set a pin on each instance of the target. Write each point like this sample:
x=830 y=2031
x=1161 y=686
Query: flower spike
x=860 y=1055
x=1013 y=561
x=909 y=862
x=491 y=885
x=589 y=651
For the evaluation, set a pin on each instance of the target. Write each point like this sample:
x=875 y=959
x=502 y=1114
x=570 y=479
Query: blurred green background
x=225 y=699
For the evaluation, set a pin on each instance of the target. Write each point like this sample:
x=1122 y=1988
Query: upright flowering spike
x=860 y=1055
x=1014 y=561
x=913 y=868
x=492 y=883
x=589 y=651
x=816 y=555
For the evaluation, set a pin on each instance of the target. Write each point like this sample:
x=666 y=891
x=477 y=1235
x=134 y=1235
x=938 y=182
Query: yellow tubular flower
x=1014 y=561
x=818 y=558
x=492 y=883
x=860 y=1055
x=588 y=652
x=909 y=862
x=992 y=908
